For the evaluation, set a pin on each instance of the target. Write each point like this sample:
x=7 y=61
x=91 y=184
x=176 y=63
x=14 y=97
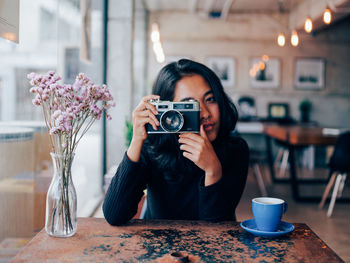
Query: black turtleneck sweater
x=186 y=199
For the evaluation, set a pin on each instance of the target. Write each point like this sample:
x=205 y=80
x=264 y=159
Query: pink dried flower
x=33 y=90
x=69 y=109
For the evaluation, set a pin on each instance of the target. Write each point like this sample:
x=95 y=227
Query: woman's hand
x=199 y=150
x=144 y=113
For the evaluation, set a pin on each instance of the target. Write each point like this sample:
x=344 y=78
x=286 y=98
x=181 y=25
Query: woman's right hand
x=144 y=113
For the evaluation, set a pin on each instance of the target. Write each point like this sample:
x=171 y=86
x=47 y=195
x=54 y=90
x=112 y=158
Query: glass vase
x=61 y=200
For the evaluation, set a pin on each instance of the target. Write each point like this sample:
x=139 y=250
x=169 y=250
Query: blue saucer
x=250 y=226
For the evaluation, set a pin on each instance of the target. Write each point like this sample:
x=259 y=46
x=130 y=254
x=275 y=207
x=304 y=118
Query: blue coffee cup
x=268 y=212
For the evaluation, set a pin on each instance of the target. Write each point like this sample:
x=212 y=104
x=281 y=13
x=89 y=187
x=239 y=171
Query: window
x=50 y=39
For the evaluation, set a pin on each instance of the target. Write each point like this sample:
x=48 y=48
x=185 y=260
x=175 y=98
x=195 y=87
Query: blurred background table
x=294 y=136
x=154 y=240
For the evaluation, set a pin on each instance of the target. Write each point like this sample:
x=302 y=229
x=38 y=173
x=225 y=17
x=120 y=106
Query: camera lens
x=171 y=121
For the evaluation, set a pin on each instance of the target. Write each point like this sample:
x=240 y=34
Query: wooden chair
x=281 y=161
x=339 y=169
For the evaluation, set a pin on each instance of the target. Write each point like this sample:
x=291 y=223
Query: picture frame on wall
x=309 y=73
x=278 y=110
x=224 y=68
x=264 y=72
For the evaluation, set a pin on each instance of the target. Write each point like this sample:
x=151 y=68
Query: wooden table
x=296 y=136
x=153 y=241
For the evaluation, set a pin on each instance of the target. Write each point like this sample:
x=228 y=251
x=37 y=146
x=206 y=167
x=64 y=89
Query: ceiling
x=222 y=8
x=234 y=6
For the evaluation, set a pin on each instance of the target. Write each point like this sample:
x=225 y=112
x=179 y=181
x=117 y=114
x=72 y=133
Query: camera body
x=176 y=116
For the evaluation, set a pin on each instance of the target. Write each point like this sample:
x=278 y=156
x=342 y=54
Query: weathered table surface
x=153 y=241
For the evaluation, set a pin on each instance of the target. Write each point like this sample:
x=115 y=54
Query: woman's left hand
x=199 y=150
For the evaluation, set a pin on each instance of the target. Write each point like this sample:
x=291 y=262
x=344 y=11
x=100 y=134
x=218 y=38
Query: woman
x=190 y=176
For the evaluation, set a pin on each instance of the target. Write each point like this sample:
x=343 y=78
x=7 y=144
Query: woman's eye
x=210 y=99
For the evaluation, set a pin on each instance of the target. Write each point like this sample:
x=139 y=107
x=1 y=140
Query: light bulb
x=155 y=35
x=252 y=72
x=265 y=58
x=157 y=47
x=308 y=25
x=327 y=16
x=261 y=65
x=281 y=40
x=294 y=40
x=160 y=58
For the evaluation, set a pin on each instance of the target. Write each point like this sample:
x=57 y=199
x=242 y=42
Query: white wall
x=245 y=36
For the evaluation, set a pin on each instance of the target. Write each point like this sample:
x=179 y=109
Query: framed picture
x=264 y=72
x=224 y=67
x=309 y=73
x=278 y=110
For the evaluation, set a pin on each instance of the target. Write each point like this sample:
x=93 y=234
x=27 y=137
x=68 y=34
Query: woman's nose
x=204 y=112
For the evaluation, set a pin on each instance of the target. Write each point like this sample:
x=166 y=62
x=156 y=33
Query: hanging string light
x=265 y=58
x=308 y=25
x=327 y=16
x=294 y=40
x=308 y=21
x=155 y=35
x=157 y=45
x=281 y=40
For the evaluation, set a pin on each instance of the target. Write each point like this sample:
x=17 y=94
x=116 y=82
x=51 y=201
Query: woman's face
x=195 y=87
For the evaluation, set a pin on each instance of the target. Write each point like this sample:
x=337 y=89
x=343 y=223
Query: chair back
x=340 y=160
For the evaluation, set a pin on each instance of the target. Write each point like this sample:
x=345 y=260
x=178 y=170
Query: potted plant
x=128 y=132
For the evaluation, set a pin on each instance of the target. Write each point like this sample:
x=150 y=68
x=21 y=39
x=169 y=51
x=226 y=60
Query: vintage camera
x=176 y=117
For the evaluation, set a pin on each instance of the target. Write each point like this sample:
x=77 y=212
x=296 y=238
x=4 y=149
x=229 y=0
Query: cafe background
x=111 y=42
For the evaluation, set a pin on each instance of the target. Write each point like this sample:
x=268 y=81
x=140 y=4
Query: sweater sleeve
x=125 y=192
x=218 y=202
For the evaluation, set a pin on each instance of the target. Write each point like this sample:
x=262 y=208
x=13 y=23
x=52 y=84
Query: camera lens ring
x=169 y=124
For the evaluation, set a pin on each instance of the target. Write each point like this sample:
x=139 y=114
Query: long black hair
x=164 y=149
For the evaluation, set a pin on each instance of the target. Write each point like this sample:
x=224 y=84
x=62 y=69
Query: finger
x=202 y=132
x=189 y=149
x=148 y=113
x=146 y=106
x=151 y=107
x=192 y=136
x=142 y=121
x=145 y=100
x=150 y=97
x=154 y=118
x=189 y=156
x=190 y=142
x=141 y=106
